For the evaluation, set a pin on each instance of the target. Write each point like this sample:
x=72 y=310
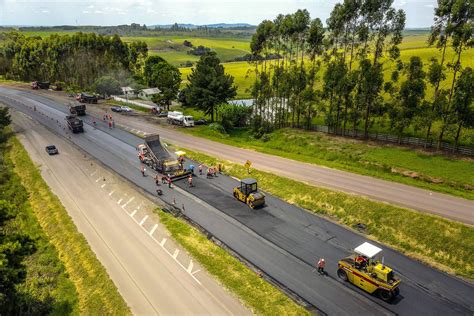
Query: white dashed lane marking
x=153 y=229
x=143 y=220
x=131 y=199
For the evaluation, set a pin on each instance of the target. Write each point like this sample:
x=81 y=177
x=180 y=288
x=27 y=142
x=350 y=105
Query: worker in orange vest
x=190 y=180
x=321 y=264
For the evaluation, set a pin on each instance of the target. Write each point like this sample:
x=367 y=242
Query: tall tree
x=461 y=29
x=384 y=25
x=209 y=85
x=440 y=35
x=165 y=77
x=407 y=102
x=463 y=102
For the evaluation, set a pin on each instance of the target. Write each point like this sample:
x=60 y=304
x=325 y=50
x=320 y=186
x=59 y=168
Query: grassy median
x=256 y=293
x=444 y=244
x=96 y=292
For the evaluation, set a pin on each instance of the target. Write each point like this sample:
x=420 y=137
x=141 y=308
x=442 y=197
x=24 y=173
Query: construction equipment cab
x=248 y=193
x=364 y=269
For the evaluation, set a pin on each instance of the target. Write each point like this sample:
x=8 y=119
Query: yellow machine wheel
x=342 y=275
x=251 y=205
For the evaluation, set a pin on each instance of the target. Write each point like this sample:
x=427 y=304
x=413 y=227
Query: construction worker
x=169 y=182
x=157 y=180
x=361 y=262
x=142 y=169
x=321 y=264
x=191 y=168
x=190 y=180
x=219 y=168
x=200 y=169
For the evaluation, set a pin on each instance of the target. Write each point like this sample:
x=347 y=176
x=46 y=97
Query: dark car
x=116 y=109
x=52 y=150
x=163 y=114
x=200 y=122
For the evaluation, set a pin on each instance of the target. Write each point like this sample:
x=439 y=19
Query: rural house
x=147 y=94
x=128 y=92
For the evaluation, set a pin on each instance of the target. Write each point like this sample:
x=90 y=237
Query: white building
x=147 y=94
x=128 y=92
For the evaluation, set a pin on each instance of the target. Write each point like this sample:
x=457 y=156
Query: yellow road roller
x=366 y=270
x=248 y=193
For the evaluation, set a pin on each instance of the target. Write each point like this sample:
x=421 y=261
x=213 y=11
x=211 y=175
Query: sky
x=152 y=12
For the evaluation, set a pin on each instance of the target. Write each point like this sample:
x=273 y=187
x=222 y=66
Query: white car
x=125 y=109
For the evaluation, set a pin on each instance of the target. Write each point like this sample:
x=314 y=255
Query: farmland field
x=414 y=45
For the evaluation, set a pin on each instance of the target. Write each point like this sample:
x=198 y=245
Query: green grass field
x=436 y=241
x=172 y=48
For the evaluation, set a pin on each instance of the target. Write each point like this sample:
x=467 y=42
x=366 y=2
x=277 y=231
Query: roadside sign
x=248 y=164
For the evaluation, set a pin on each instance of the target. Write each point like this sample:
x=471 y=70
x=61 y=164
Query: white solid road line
x=143 y=220
x=133 y=213
x=153 y=229
x=119 y=201
x=98 y=179
x=103 y=185
x=111 y=192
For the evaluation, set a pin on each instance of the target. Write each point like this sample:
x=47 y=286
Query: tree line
x=337 y=70
x=76 y=60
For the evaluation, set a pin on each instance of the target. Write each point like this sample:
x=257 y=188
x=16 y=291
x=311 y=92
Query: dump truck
x=75 y=124
x=365 y=269
x=35 y=85
x=153 y=154
x=178 y=118
x=86 y=98
x=77 y=109
x=248 y=193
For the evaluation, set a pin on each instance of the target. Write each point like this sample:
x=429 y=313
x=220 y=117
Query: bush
x=260 y=127
x=107 y=86
x=199 y=51
x=232 y=115
x=217 y=127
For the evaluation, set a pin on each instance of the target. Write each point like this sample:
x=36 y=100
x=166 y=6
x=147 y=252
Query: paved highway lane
x=147 y=275
x=398 y=194
x=284 y=240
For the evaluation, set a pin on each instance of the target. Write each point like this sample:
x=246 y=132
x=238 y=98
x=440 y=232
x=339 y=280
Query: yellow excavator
x=364 y=269
x=248 y=193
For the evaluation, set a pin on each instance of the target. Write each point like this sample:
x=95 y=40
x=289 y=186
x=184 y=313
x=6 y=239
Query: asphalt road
x=149 y=277
x=282 y=240
x=455 y=208
x=444 y=205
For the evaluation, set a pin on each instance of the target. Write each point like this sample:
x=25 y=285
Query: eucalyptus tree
x=406 y=103
x=381 y=30
x=463 y=102
x=461 y=30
